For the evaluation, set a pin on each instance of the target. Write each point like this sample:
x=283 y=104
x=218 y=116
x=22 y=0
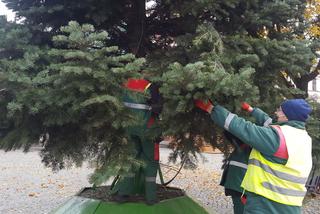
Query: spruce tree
x=74 y=102
x=19 y=62
x=228 y=51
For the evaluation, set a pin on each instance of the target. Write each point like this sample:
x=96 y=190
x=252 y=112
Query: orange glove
x=245 y=106
x=204 y=105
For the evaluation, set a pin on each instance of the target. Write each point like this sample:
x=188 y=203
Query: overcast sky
x=10 y=14
x=5 y=11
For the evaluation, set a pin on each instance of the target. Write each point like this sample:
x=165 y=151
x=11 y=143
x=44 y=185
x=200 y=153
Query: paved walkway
x=26 y=186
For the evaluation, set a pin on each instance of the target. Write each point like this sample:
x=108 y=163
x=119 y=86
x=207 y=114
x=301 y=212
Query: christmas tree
x=65 y=83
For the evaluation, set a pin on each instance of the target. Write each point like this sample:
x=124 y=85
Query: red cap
x=137 y=84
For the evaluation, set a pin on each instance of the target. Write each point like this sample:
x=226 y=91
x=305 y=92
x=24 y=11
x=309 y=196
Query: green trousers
x=141 y=180
x=238 y=206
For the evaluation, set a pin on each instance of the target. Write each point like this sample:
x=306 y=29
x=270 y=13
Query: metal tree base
x=178 y=205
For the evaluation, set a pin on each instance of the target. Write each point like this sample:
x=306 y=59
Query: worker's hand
x=246 y=107
x=204 y=105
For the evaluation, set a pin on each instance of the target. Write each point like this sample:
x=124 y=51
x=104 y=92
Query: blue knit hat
x=296 y=109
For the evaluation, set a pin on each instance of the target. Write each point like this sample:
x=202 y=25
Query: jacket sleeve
x=262 y=118
x=263 y=139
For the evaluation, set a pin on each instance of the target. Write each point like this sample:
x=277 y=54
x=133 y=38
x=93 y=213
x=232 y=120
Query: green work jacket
x=236 y=165
x=266 y=141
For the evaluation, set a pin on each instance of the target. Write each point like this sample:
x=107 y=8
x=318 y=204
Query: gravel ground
x=26 y=186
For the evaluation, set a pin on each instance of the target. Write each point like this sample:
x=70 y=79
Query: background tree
x=229 y=51
x=25 y=60
x=312 y=14
x=73 y=100
x=312 y=17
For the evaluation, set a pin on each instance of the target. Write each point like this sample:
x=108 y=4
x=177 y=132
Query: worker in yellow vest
x=280 y=161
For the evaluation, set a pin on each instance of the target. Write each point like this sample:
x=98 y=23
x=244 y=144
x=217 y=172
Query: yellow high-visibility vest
x=284 y=184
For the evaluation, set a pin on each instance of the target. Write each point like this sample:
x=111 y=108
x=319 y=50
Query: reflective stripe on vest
x=238 y=164
x=137 y=106
x=284 y=191
x=281 y=175
x=283 y=184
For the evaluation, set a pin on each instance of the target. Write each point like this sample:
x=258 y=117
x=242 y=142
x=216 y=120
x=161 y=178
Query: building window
x=317 y=84
x=314 y=85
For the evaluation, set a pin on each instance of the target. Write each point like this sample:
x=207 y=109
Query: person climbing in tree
x=145 y=138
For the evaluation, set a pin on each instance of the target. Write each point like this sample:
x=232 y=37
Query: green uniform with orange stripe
x=237 y=163
x=144 y=137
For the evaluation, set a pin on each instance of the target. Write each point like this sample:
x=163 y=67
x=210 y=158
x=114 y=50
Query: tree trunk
x=302 y=82
x=136 y=27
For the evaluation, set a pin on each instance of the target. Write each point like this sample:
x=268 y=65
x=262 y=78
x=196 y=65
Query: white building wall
x=314 y=88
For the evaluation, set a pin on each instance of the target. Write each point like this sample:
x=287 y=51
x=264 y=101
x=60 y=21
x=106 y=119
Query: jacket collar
x=293 y=123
